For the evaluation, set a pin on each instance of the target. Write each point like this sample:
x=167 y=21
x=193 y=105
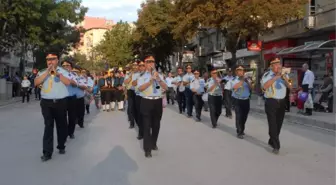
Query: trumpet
x=52 y=73
x=157 y=86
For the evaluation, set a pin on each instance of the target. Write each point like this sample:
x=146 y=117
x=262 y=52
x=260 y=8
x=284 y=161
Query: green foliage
x=236 y=19
x=153 y=32
x=116 y=47
x=40 y=25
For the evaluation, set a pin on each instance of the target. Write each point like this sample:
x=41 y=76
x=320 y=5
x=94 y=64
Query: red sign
x=254 y=45
x=332 y=36
x=272 y=48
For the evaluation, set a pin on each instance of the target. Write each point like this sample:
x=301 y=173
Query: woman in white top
x=25 y=86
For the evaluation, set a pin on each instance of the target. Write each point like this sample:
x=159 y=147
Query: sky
x=116 y=10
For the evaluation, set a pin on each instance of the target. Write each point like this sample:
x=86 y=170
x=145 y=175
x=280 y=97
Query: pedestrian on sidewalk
x=275 y=86
x=197 y=87
x=53 y=104
x=150 y=85
x=215 y=92
x=308 y=87
x=25 y=89
x=241 y=92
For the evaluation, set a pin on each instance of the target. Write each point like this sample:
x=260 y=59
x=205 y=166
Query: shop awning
x=327 y=45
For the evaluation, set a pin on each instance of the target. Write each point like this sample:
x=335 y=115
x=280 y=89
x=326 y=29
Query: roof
x=96 y=22
x=327 y=45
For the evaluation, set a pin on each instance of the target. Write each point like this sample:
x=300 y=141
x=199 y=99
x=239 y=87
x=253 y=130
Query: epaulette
x=267 y=73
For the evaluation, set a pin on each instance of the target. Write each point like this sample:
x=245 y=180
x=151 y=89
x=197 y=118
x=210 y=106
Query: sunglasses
x=51 y=59
x=150 y=61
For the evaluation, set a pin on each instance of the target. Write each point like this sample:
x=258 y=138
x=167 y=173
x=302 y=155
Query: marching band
x=68 y=90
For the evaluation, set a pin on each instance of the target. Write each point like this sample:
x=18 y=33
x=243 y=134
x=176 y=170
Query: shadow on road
x=114 y=169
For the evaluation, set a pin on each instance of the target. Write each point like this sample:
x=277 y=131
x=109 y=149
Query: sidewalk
x=10 y=101
x=318 y=119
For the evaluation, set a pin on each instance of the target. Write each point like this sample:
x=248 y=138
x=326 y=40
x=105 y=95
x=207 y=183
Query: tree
x=236 y=19
x=116 y=47
x=39 y=25
x=153 y=32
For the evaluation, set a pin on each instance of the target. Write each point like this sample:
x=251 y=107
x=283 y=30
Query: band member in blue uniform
x=228 y=93
x=215 y=92
x=80 y=97
x=241 y=92
x=142 y=70
x=53 y=104
x=197 y=87
x=275 y=86
x=187 y=79
x=131 y=94
x=71 y=99
x=150 y=85
x=180 y=88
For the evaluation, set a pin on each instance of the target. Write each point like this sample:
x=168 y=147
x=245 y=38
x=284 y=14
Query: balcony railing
x=286 y=30
x=325 y=19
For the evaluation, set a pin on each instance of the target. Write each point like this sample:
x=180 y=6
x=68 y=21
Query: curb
x=302 y=120
x=9 y=103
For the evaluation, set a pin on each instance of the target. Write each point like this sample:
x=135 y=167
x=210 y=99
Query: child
x=300 y=103
x=96 y=94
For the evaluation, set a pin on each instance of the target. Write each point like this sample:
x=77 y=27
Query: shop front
x=319 y=55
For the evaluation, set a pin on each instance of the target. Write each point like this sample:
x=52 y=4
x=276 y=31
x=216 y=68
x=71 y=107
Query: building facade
x=94 y=30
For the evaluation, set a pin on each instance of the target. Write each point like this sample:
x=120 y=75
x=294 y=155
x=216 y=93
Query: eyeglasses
x=51 y=59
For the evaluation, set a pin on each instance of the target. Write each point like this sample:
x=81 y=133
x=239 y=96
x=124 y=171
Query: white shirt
x=308 y=78
x=25 y=83
x=169 y=81
x=228 y=85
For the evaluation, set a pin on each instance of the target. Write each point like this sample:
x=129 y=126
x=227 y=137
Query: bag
x=309 y=104
x=164 y=102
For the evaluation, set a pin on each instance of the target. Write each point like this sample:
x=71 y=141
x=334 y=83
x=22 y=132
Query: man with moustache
x=53 y=104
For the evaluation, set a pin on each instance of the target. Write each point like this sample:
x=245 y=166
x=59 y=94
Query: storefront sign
x=254 y=45
x=272 y=48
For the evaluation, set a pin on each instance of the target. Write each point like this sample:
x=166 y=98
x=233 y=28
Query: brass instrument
x=157 y=86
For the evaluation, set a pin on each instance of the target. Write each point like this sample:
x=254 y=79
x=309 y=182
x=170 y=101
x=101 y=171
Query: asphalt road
x=106 y=152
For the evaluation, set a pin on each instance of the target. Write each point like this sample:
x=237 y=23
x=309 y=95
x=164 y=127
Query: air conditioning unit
x=309 y=22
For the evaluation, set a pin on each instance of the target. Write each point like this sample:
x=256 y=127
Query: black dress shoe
x=45 y=158
x=148 y=154
x=275 y=151
x=214 y=126
x=139 y=137
x=198 y=119
x=81 y=126
x=62 y=151
x=155 y=148
x=240 y=136
x=131 y=126
x=72 y=136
